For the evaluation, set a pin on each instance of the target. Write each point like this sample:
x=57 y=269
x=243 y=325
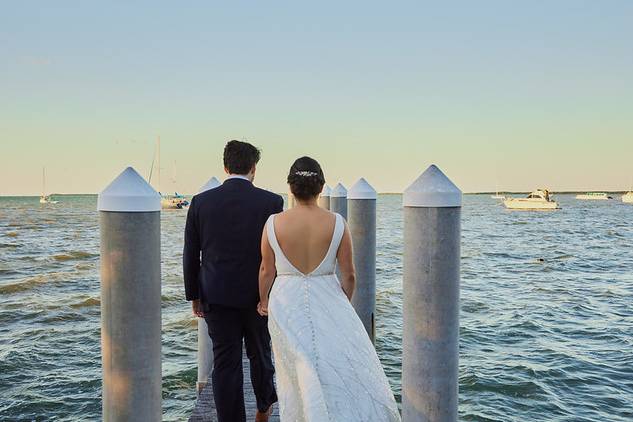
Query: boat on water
x=174 y=202
x=167 y=202
x=628 y=197
x=540 y=199
x=44 y=198
x=496 y=195
x=594 y=196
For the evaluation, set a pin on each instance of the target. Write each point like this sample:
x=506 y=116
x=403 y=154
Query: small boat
x=167 y=202
x=594 y=196
x=628 y=197
x=45 y=199
x=174 y=202
x=540 y=199
x=496 y=195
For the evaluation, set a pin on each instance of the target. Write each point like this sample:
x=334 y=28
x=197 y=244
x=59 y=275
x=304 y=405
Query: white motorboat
x=44 y=198
x=538 y=200
x=628 y=197
x=594 y=196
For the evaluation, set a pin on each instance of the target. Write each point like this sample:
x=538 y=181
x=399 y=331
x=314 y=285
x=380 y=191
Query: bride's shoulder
x=277 y=216
x=336 y=215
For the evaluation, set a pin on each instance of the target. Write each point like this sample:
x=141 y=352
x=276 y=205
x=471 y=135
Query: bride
x=327 y=368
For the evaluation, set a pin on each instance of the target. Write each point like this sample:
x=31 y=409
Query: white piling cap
x=339 y=191
x=327 y=191
x=432 y=189
x=361 y=190
x=211 y=184
x=129 y=192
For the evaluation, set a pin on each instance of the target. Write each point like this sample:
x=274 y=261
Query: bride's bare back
x=304 y=235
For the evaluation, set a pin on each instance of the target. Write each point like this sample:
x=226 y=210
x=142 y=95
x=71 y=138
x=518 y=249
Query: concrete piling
x=338 y=204
x=430 y=343
x=205 y=346
x=129 y=219
x=338 y=200
x=211 y=184
x=361 y=202
x=324 y=198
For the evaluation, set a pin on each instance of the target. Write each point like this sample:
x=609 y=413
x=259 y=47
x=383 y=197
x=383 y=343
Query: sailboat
x=496 y=195
x=627 y=198
x=175 y=201
x=45 y=199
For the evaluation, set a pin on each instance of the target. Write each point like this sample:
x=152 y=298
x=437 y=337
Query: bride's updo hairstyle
x=306 y=178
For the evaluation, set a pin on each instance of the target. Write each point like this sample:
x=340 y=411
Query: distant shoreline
x=576 y=192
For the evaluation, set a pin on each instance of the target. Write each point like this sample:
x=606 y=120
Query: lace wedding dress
x=326 y=366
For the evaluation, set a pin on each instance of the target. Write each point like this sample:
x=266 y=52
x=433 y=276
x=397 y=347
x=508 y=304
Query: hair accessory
x=306 y=173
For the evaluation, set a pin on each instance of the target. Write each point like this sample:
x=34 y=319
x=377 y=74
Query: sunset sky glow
x=510 y=94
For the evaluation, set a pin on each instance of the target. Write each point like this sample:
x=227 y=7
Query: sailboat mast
x=174 y=179
x=43 y=181
x=158 y=159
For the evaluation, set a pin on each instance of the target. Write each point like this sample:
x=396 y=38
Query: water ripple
x=546 y=316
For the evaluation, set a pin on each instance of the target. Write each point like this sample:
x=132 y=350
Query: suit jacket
x=226 y=225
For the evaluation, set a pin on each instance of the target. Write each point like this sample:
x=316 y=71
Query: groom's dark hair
x=240 y=157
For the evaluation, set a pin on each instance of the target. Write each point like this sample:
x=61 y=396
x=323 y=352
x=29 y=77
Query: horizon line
x=379 y=193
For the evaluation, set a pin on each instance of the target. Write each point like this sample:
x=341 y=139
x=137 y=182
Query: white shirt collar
x=237 y=176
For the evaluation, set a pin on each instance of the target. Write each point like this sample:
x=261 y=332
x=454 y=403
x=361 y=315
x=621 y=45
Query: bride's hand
x=262 y=308
x=196 y=307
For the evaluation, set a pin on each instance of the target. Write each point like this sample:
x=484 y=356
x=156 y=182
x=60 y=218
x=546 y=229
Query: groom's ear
x=253 y=170
x=226 y=170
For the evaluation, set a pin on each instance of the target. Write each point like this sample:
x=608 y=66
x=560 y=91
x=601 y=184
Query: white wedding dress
x=326 y=366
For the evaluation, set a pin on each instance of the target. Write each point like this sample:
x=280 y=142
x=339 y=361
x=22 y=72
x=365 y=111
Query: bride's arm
x=346 y=264
x=267 y=273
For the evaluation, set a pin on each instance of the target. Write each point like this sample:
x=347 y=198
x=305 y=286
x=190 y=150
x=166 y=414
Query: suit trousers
x=228 y=327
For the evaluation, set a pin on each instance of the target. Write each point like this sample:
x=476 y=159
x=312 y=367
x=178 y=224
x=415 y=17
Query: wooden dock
x=205 y=406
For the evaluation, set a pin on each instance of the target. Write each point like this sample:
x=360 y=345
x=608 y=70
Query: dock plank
x=204 y=410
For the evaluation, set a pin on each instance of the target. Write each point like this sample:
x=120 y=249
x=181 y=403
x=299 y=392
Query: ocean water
x=546 y=311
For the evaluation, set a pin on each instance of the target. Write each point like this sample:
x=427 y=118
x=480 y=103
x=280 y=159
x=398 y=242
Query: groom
x=226 y=224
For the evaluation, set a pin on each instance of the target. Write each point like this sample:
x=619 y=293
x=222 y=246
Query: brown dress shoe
x=264 y=416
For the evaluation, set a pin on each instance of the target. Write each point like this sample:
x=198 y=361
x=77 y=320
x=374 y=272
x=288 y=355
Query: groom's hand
x=262 y=309
x=196 y=306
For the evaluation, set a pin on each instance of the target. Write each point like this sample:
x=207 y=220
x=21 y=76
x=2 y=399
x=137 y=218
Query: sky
x=498 y=94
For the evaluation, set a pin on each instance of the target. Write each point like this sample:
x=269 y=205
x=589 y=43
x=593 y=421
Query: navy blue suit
x=221 y=260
